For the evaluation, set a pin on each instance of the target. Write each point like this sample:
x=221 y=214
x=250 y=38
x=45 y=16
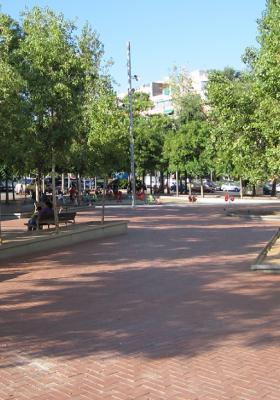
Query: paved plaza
x=169 y=311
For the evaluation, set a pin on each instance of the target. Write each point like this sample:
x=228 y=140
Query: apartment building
x=160 y=92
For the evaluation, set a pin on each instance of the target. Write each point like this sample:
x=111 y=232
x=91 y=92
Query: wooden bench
x=63 y=218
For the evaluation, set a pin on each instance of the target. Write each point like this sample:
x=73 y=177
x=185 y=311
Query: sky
x=194 y=34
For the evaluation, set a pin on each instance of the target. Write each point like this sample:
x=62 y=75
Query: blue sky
x=197 y=34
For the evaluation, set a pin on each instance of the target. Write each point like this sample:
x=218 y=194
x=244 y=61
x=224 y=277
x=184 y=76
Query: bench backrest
x=63 y=216
x=66 y=216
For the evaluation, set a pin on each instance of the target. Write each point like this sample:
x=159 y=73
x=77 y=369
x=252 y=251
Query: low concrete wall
x=53 y=240
x=259 y=264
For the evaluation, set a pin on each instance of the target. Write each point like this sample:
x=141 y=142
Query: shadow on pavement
x=168 y=288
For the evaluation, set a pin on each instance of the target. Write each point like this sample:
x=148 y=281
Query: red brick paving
x=169 y=311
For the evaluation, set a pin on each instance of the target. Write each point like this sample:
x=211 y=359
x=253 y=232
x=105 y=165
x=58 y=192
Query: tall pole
x=131 y=137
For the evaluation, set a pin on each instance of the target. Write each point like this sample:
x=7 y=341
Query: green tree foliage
x=186 y=144
x=140 y=103
x=186 y=147
x=188 y=104
x=236 y=139
x=13 y=110
x=267 y=66
x=51 y=70
x=267 y=70
x=56 y=97
x=150 y=133
x=108 y=135
x=91 y=78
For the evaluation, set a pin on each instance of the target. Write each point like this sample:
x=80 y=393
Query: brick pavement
x=169 y=311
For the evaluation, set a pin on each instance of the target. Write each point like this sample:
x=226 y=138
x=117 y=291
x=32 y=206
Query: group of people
x=42 y=211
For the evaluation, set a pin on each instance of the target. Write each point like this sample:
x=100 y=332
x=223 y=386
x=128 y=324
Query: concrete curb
x=258 y=264
x=86 y=232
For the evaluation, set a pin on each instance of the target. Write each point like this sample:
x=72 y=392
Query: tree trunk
x=43 y=183
x=25 y=184
x=7 y=190
x=36 y=190
x=54 y=194
x=241 y=188
x=161 y=181
x=273 y=188
x=177 y=184
x=168 y=184
x=103 y=202
x=13 y=186
x=201 y=188
x=151 y=184
x=62 y=183
x=190 y=187
x=79 y=188
x=39 y=185
x=1 y=237
x=254 y=191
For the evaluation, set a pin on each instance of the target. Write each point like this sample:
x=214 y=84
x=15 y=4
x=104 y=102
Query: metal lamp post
x=131 y=137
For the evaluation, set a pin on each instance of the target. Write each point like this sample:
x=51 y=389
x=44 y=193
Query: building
x=160 y=92
x=161 y=96
x=199 y=79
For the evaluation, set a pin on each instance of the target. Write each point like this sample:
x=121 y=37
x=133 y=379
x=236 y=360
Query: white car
x=230 y=187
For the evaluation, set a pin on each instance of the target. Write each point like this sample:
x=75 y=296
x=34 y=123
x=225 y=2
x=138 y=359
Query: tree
x=185 y=146
x=267 y=70
x=188 y=104
x=237 y=141
x=51 y=69
x=92 y=78
x=108 y=135
x=13 y=111
x=150 y=132
x=186 y=149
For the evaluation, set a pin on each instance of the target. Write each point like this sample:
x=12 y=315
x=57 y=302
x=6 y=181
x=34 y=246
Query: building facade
x=160 y=92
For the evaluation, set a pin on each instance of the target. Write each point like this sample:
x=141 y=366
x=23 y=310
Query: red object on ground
x=192 y=199
x=141 y=196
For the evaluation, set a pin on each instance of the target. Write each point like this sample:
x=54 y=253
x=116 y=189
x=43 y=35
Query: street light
x=131 y=137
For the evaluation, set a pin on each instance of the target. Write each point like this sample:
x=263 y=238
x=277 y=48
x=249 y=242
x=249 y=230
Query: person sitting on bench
x=44 y=212
x=47 y=211
x=32 y=222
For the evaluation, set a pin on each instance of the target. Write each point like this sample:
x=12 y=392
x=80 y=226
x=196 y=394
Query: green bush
x=123 y=183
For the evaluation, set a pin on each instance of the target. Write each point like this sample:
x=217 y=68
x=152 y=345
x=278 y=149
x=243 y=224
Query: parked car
x=267 y=189
x=230 y=187
x=207 y=184
x=181 y=188
x=196 y=188
x=3 y=187
x=218 y=186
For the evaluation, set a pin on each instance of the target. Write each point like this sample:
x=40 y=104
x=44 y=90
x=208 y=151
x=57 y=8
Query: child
x=32 y=223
